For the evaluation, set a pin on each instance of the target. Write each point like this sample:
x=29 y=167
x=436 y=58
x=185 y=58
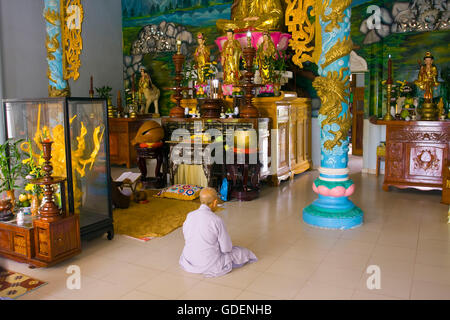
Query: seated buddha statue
x=253 y=14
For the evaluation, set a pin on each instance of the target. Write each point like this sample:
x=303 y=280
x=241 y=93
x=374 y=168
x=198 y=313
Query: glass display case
x=79 y=129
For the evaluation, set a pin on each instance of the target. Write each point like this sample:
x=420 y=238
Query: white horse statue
x=150 y=92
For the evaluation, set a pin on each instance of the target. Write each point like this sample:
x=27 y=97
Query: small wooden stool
x=152 y=153
x=381 y=154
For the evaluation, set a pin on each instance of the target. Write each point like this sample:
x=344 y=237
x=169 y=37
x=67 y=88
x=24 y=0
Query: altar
x=416 y=153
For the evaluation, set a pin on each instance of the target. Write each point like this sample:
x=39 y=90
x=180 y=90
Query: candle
x=389 y=80
x=119 y=100
x=215 y=84
x=91 y=88
x=178 y=46
x=249 y=39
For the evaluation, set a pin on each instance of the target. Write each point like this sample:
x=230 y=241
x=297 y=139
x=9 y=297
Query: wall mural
x=406 y=30
x=151 y=29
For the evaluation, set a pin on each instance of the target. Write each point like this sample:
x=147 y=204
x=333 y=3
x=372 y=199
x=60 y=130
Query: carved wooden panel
x=416 y=153
x=43 y=242
x=395 y=169
x=419 y=136
x=395 y=151
x=5 y=242
x=426 y=161
x=283 y=143
x=301 y=141
x=20 y=244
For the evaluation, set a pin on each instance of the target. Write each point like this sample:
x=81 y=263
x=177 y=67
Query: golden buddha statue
x=265 y=50
x=257 y=14
x=201 y=57
x=427 y=79
x=230 y=58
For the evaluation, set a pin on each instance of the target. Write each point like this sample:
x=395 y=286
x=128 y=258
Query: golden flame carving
x=72 y=15
x=306 y=35
x=79 y=160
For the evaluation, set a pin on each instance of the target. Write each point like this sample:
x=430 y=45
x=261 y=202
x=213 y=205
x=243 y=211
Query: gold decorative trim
x=337 y=13
x=333 y=90
x=72 y=15
x=52 y=17
x=53 y=92
x=342 y=48
x=306 y=36
x=52 y=46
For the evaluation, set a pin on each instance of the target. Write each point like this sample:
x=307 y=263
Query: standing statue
x=231 y=56
x=201 y=57
x=427 y=79
x=148 y=91
x=266 y=50
x=256 y=14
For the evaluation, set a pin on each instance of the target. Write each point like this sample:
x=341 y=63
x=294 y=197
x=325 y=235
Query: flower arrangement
x=210 y=70
x=33 y=169
x=189 y=73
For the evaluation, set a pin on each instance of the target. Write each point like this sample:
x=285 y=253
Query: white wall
x=373 y=134
x=22 y=45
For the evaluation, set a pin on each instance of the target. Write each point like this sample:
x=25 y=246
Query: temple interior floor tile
x=404 y=233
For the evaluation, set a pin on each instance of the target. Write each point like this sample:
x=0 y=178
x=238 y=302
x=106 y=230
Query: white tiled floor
x=404 y=233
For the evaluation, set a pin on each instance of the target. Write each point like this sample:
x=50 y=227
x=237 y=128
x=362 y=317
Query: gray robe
x=208 y=248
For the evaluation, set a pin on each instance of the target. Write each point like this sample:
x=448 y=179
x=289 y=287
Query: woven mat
x=156 y=218
x=13 y=284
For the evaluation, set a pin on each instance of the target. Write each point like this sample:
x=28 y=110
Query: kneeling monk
x=208 y=248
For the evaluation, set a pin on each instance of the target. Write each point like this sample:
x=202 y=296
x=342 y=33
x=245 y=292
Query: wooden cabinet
x=121 y=132
x=40 y=243
x=416 y=153
x=446 y=184
x=291 y=134
x=300 y=137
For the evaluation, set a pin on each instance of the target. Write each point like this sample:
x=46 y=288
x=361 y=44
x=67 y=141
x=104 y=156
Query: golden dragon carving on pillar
x=333 y=91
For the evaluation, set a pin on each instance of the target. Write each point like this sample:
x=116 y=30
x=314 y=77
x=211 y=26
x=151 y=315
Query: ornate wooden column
x=333 y=209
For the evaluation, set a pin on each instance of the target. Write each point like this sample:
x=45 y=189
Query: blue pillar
x=57 y=85
x=333 y=209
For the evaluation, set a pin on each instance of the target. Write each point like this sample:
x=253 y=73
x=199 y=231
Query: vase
x=35 y=203
x=11 y=195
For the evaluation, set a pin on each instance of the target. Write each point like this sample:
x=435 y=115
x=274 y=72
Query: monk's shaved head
x=207 y=196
